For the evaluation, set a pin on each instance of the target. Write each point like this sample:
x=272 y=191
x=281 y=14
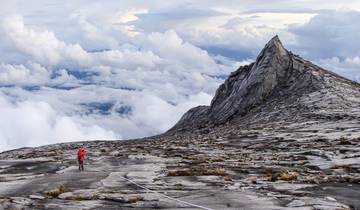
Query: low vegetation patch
x=134 y=199
x=341 y=166
x=54 y=193
x=228 y=179
x=201 y=158
x=198 y=172
x=113 y=192
x=346 y=179
x=123 y=199
x=253 y=180
x=289 y=176
x=283 y=175
x=81 y=198
x=349 y=179
x=346 y=141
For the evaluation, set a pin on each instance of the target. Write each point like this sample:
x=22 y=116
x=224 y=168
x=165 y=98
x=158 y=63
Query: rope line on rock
x=165 y=196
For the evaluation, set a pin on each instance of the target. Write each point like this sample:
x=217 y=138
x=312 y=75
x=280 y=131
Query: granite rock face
x=276 y=82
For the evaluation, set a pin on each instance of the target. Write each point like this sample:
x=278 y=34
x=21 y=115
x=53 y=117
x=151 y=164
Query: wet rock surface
x=296 y=145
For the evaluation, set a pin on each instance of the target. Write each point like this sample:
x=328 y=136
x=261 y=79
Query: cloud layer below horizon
x=131 y=69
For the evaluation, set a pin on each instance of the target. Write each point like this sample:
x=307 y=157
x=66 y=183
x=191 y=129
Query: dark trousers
x=81 y=165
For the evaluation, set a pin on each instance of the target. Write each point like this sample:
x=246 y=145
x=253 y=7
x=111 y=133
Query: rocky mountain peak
x=277 y=77
x=272 y=49
x=250 y=85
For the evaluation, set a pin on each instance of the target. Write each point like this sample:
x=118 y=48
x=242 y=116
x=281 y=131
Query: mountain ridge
x=277 y=74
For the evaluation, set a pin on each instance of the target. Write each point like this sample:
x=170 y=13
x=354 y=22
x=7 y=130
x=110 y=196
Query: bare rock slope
x=277 y=86
x=281 y=133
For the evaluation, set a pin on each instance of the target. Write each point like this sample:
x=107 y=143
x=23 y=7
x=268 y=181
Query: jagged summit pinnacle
x=274 y=49
x=276 y=77
x=275 y=46
x=274 y=41
x=252 y=84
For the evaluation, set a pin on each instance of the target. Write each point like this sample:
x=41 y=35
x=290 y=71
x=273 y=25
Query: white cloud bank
x=330 y=34
x=33 y=123
x=60 y=92
x=41 y=46
x=331 y=40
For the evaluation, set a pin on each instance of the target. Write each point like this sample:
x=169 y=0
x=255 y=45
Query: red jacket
x=81 y=154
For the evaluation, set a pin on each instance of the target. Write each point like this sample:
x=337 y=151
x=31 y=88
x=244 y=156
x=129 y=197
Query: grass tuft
x=198 y=172
x=54 y=193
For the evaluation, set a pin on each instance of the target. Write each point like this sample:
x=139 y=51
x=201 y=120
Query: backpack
x=81 y=154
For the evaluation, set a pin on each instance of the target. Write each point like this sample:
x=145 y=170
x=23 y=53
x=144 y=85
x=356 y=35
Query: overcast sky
x=85 y=70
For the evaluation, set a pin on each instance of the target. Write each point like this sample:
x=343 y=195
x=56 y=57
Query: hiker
x=81 y=158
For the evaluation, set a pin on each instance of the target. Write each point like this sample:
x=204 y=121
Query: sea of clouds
x=88 y=71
